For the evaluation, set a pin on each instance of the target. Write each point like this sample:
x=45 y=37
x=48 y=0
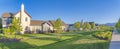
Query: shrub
x=103 y=35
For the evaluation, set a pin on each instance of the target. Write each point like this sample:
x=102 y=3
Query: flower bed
x=9 y=40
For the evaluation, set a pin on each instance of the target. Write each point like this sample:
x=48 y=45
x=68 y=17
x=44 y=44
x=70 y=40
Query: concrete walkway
x=115 y=41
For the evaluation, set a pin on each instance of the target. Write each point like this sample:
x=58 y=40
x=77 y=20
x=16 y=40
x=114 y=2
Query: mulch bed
x=9 y=40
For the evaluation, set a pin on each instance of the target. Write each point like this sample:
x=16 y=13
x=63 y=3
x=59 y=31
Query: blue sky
x=70 y=11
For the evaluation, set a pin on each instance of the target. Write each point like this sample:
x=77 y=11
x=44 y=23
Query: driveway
x=115 y=41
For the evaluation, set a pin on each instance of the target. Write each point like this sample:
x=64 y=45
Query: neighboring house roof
x=52 y=22
x=6 y=15
x=71 y=24
x=36 y=22
x=47 y=23
x=40 y=22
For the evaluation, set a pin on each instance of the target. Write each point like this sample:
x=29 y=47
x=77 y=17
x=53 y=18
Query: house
x=40 y=26
x=82 y=23
x=28 y=25
x=24 y=19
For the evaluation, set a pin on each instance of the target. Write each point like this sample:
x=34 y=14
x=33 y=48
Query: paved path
x=115 y=41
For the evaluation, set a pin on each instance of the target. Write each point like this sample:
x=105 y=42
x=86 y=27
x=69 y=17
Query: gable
x=19 y=12
x=27 y=14
x=47 y=23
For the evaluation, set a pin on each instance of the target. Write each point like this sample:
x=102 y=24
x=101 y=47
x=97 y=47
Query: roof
x=52 y=22
x=6 y=15
x=24 y=11
x=36 y=22
x=47 y=23
x=40 y=22
x=27 y=14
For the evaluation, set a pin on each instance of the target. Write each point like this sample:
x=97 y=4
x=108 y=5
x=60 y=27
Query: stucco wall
x=46 y=27
x=36 y=29
x=24 y=23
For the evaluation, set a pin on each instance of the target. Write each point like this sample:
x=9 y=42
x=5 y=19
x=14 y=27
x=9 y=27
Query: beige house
x=24 y=19
x=28 y=25
x=39 y=26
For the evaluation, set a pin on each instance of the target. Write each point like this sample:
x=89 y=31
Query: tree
x=87 y=26
x=0 y=25
x=93 y=25
x=118 y=24
x=14 y=27
x=6 y=31
x=77 y=25
x=58 y=25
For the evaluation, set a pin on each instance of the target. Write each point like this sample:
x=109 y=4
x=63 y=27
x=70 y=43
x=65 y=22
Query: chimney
x=22 y=7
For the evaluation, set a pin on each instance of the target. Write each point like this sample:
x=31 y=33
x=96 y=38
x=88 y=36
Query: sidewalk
x=115 y=41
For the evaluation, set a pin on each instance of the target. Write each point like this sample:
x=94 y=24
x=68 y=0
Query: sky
x=70 y=11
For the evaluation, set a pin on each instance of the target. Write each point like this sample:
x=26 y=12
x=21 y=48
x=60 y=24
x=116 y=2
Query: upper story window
x=9 y=20
x=26 y=19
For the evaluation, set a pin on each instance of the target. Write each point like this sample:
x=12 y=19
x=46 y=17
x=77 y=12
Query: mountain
x=110 y=24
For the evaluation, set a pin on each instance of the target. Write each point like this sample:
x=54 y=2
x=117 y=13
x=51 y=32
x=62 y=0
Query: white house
x=28 y=25
x=24 y=19
x=40 y=26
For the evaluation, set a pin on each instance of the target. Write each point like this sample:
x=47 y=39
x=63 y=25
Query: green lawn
x=73 y=40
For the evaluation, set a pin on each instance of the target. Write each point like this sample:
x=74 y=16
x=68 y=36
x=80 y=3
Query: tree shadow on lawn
x=68 y=44
x=16 y=45
x=61 y=42
x=26 y=35
x=53 y=37
x=48 y=38
x=103 y=45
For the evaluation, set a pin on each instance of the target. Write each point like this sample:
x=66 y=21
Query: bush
x=103 y=35
x=105 y=28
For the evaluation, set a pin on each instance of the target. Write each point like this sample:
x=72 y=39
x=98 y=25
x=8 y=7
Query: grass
x=73 y=40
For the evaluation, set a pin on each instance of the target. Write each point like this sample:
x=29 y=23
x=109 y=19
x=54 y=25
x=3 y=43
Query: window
x=26 y=19
x=9 y=20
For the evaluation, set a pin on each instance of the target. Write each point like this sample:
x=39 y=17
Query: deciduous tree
x=87 y=26
x=93 y=25
x=118 y=24
x=58 y=25
x=77 y=25
x=0 y=25
x=14 y=27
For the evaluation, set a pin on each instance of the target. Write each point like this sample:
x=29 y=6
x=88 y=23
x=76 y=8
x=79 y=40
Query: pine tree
x=77 y=25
